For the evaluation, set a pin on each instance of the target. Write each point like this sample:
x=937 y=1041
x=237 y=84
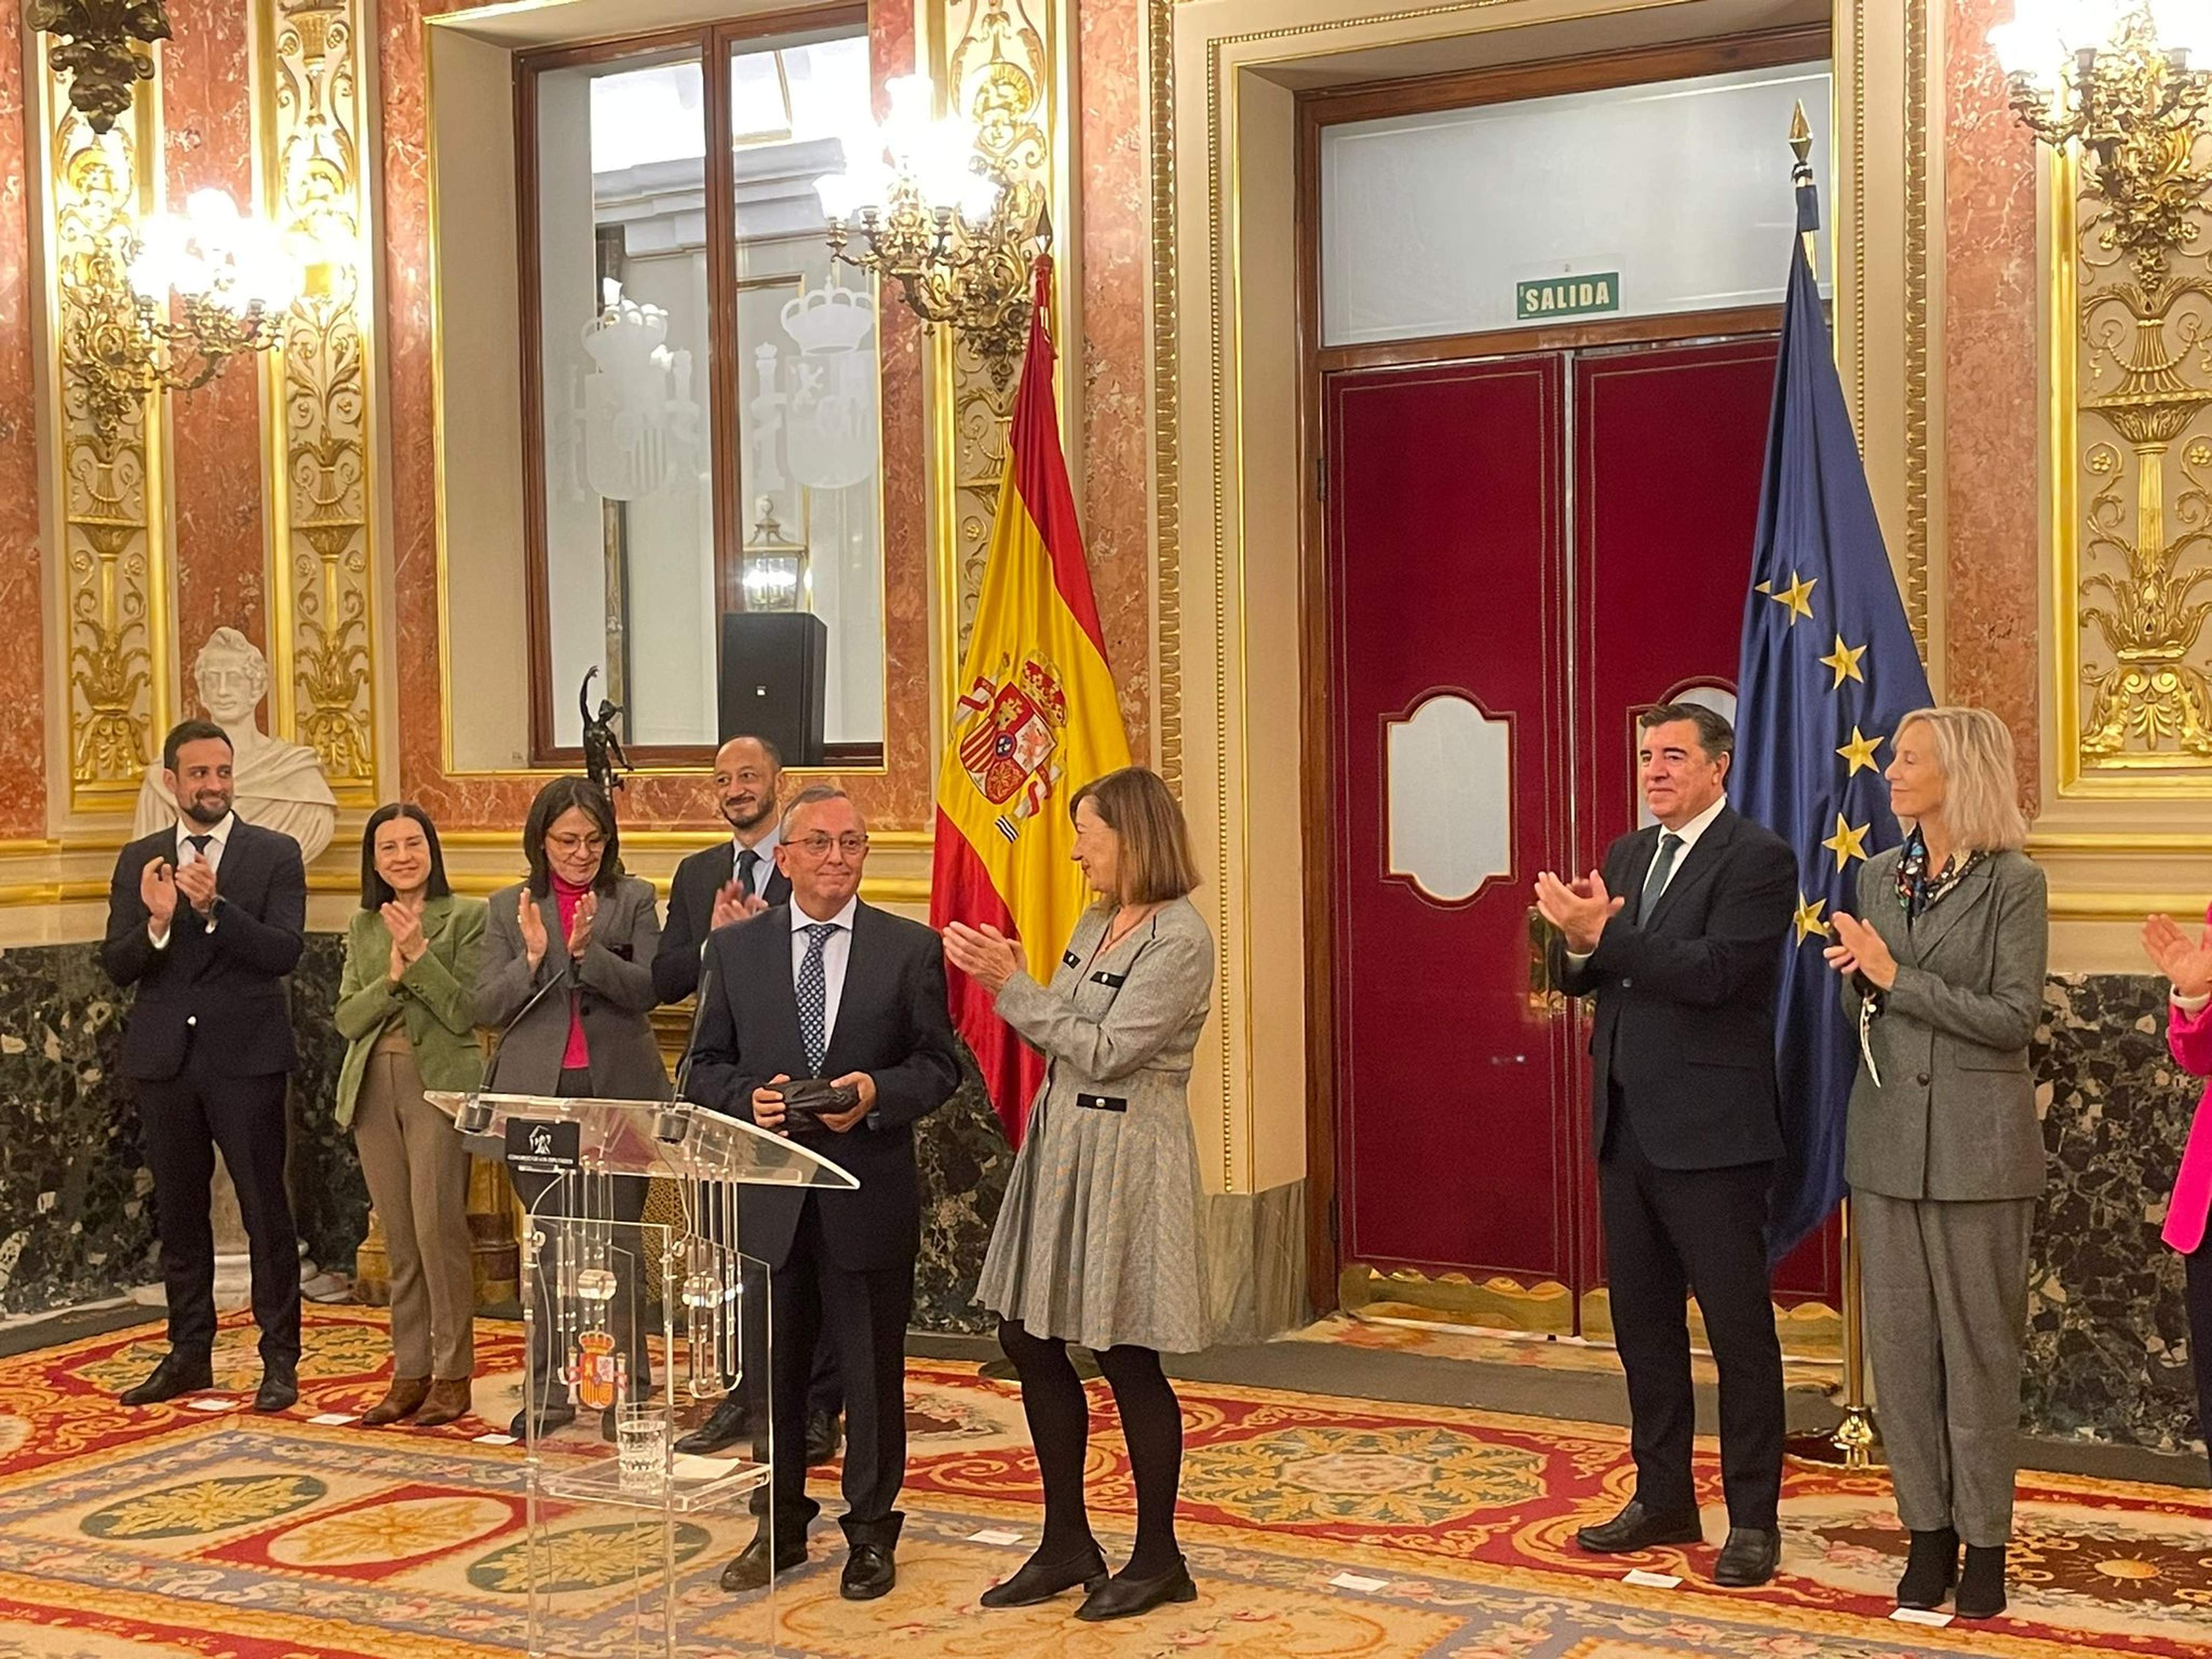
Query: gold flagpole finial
x=1801 y=134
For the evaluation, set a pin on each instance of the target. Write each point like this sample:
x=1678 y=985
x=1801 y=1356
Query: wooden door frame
x=1315 y=110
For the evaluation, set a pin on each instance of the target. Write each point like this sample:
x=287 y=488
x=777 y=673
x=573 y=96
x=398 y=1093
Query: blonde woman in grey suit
x=1097 y=1242
x=1943 y=969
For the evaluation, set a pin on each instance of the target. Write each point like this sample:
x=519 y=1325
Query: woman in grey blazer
x=1943 y=970
x=1097 y=1240
x=566 y=980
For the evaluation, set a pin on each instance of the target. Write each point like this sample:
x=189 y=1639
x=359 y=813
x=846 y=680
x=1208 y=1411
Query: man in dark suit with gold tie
x=1679 y=943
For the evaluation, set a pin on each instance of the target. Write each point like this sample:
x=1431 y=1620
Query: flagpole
x=1856 y=1441
x=1855 y=1438
x=1800 y=174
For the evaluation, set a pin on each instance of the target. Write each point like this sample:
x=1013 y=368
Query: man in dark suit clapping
x=828 y=987
x=206 y=918
x=1679 y=941
x=725 y=882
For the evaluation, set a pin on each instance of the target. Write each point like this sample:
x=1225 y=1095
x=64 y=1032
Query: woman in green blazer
x=405 y=1009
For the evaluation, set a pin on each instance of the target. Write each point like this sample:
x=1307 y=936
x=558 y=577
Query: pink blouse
x=577 y=1057
x=2189 y=1037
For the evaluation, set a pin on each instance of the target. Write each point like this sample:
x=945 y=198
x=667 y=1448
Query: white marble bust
x=278 y=785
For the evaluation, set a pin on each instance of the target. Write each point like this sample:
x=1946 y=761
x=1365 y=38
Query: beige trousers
x=418 y=1179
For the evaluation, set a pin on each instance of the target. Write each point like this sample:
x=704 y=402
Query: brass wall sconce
x=162 y=303
x=938 y=211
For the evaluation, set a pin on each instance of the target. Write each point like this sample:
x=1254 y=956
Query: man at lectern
x=713 y=888
x=830 y=991
x=1679 y=942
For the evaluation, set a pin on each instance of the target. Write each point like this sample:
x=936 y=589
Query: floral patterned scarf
x=1917 y=890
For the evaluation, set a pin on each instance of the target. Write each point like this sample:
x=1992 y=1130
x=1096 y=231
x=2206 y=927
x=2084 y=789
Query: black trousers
x=1670 y=1233
x=861 y=1318
x=181 y=1121
x=825 y=1390
x=2198 y=1265
x=550 y=1197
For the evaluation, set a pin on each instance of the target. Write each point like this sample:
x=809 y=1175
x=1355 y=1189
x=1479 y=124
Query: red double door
x=1524 y=554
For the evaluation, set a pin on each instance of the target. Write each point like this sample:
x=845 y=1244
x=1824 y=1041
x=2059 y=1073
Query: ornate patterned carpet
x=1318 y=1530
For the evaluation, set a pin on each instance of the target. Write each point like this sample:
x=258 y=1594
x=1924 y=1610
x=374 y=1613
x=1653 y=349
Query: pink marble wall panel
x=899 y=798
x=207 y=112
x=1117 y=461
x=22 y=678
x=1989 y=426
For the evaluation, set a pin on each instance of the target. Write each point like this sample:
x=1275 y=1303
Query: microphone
x=675 y=1121
x=475 y=1116
x=499 y=1042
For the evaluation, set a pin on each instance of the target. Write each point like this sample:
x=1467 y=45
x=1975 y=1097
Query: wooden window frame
x=713 y=44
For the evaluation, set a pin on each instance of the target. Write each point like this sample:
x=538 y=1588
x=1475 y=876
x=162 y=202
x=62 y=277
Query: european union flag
x=1828 y=667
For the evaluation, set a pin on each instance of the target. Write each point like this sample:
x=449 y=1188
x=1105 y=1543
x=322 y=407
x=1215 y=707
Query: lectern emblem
x=1011 y=747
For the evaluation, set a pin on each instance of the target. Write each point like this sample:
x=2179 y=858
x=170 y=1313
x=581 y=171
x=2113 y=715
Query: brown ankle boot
x=447 y=1403
x=400 y=1401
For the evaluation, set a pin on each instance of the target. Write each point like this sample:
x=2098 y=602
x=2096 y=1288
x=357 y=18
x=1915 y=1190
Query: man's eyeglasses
x=572 y=844
x=818 y=847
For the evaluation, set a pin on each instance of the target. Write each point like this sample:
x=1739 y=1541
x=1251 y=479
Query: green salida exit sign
x=1567 y=296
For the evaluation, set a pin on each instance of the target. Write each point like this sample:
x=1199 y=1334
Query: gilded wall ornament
x=2124 y=113
x=114 y=559
x=311 y=118
x=1000 y=65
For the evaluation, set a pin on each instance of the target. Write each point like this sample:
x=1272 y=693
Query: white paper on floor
x=1354 y=1581
x=1651 y=1580
x=1921 y=1616
x=995 y=1535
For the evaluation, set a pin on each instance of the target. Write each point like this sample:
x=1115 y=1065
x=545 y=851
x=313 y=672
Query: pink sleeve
x=2189 y=1037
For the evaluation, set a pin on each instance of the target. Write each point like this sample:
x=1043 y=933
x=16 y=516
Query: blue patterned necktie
x=813 y=989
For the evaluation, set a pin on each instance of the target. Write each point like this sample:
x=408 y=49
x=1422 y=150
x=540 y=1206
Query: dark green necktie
x=1670 y=846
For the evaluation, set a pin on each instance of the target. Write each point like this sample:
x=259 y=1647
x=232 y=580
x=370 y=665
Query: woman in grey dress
x=1943 y=971
x=1097 y=1242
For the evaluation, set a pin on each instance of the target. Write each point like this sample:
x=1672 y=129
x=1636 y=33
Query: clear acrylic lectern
x=623 y=1546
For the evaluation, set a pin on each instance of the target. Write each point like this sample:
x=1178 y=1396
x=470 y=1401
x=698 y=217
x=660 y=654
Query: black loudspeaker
x=776 y=672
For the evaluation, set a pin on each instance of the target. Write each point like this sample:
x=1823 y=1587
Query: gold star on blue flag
x=1811 y=717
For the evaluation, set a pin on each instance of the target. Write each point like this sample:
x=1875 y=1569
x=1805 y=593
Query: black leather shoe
x=1125 y=1598
x=822 y=1437
x=1981 y=1584
x=279 y=1386
x=869 y=1571
x=1931 y=1567
x=723 y=1428
x=749 y=1571
x=1749 y=1558
x=1638 y=1528
x=1040 y=1581
x=178 y=1373
x=551 y=1420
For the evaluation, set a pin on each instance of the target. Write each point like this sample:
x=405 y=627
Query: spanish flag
x=1037 y=719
